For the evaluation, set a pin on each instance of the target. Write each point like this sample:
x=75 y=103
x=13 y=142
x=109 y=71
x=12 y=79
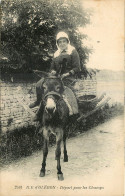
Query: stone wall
x=15 y=114
x=86 y=86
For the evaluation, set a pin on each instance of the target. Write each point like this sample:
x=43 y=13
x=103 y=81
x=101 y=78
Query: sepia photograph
x=62 y=98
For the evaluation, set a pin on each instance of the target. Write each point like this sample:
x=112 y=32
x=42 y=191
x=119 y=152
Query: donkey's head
x=53 y=88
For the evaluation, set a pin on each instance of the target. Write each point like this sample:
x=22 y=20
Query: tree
x=29 y=28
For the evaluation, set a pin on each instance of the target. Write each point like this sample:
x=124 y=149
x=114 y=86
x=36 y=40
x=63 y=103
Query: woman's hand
x=65 y=75
x=53 y=73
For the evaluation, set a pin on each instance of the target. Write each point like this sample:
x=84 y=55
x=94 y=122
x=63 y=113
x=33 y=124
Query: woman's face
x=63 y=43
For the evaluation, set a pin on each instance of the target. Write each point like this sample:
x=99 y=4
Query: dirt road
x=95 y=167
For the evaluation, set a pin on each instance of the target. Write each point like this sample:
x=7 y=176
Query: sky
x=106 y=34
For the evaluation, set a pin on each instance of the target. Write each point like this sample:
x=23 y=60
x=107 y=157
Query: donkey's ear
x=41 y=73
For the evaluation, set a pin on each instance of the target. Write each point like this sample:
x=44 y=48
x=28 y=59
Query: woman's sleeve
x=75 y=62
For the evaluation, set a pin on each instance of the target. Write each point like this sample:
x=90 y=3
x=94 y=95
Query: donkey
x=54 y=120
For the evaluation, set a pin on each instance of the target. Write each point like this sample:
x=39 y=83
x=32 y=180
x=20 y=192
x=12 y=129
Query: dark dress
x=63 y=62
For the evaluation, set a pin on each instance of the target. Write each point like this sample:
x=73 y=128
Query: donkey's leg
x=45 y=151
x=59 y=137
x=65 y=151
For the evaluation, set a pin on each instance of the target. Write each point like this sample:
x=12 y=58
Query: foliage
x=29 y=28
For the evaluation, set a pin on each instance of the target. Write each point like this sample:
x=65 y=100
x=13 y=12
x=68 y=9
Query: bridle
x=52 y=95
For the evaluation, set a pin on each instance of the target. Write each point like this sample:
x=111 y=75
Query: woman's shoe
x=34 y=104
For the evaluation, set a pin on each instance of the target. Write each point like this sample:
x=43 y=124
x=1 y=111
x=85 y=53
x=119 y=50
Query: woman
x=65 y=62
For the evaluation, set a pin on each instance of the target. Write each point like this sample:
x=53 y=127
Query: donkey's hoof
x=42 y=173
x=60 y=177
x=65 y=159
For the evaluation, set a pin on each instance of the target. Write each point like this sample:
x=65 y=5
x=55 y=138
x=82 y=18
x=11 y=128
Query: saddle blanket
x=70 y=100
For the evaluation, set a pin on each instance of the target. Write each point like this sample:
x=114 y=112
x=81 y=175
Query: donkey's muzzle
x=50 y=110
